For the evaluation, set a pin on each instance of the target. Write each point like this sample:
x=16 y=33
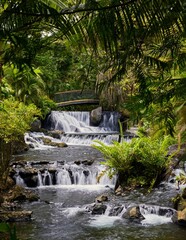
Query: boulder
x=98 y=208
x=59 y=144
x=119 y=191
x=133 y=214
x=101 y=198
x=20 y=194
x=48 y=141
x=36 y=126
x=96 y=116
x=180 y=201
x=15 y=216
x=179 y=218
x=184 y=194
x=84 y=162
x=55 y=134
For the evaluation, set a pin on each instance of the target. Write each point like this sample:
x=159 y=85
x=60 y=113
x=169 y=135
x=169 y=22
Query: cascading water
x=67 y=174
x=78 y=130
x=67 y=182
x=71 y=122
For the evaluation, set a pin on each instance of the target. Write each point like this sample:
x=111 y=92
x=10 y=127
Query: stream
x=67 y=186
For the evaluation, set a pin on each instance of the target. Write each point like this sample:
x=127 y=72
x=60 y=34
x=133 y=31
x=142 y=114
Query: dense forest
x=132 y=53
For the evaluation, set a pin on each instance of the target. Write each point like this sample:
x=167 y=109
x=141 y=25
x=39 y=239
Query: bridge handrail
x=78 y=102
x=74 y=95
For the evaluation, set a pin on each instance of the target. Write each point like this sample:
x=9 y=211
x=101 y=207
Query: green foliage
x=45 y=104
x=27 y=84
x=7 y=229
x=16 y=118
x=140 y=160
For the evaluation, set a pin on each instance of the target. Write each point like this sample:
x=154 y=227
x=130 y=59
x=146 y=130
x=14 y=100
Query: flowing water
x=66 y=181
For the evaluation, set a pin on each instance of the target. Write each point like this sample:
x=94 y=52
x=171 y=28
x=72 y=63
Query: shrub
x=16 y=119
x=139 y=161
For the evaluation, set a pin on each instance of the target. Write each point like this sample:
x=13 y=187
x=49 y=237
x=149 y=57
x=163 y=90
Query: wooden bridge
x=76 y=97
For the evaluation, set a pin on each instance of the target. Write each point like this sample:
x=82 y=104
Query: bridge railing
x=74 y=95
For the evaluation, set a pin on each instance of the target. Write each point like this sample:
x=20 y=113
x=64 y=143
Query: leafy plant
x=16 y=118
x=7 y=229
x=139 y=161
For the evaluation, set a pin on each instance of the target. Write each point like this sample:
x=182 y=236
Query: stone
x=101 y=198
x=56 y=134
x=36 y=126
x=133 y=214
x=99 y=209
x=184 y=193
x=48 y=141
x=179 y=217
x=180 y=201
x=87 y=162
x=96 y=116
x=20 y=194
x=15 y=216
x=119 y=191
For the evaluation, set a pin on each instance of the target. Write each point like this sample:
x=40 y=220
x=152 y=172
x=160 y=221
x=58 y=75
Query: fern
x=140 y=160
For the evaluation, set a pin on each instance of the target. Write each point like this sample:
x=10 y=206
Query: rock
x=77 y=162
x=96 y=116
x=15 y=216
x=180 y=201
x=87 y=162
x=133 y=214
x=55 y=134
x=115 y=211
x=19 y=146
x=59 y=144
x=184 y=194
x=99 y=209
x=36 y=126
x=179 y=218
x=119 y=191
x=101 y=198
x=84 y=162
x=48 y=141
x=1 y=200
x=20 y=194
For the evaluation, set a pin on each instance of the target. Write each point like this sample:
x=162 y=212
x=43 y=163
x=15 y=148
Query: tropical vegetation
x=139 y=162
x=130 y=52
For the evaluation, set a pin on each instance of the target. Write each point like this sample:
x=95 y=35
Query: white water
x=70 y=175
x=78 y=130
x=62 y=212
x=19 y=181
x=34 y=140
x=79 y=122
x=74 y=183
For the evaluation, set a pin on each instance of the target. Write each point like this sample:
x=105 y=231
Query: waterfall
x=79 y=122
x=18 y=179
x=77 y=175
x=67 y=175
x=39 y=177
x=34 y=140
x=78 y=130
x=47 y=179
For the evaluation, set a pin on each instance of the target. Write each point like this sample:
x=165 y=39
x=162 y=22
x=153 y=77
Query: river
x=63 y=212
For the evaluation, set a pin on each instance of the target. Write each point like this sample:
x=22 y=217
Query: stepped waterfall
x=71 y=180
